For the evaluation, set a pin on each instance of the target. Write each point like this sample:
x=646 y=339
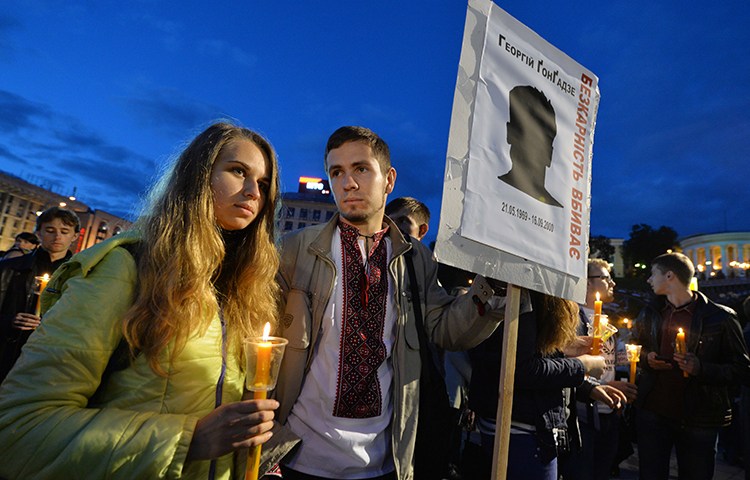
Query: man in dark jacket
x=683 y=397
x=57 y=228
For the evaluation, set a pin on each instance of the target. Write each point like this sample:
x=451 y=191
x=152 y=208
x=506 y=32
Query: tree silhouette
x=645 y=244
x=601 y=247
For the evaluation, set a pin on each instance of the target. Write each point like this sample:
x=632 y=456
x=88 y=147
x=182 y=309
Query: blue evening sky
x=99 y=95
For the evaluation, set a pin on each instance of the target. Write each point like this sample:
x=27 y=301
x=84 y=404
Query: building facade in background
x=310 y=205
x=21 y=202
x=719 y=255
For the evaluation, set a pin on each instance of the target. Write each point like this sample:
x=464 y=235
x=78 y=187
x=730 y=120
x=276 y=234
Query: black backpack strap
x=428 y=367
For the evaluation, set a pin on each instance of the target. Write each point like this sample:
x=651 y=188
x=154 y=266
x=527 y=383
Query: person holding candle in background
x=599 y=423
x=552 y=365
x=684 y=412
x=57 y=229
x=137 y=370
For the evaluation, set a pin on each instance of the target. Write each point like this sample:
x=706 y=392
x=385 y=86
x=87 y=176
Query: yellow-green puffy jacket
x=141 y=424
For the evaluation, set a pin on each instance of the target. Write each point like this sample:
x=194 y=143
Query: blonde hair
x=183 y=253
x=557 y=320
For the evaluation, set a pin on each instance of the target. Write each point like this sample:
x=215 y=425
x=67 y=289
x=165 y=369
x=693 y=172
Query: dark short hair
x=360 y=134
x=418 y=210
x=676 y=263
x=28 y=237
x=68 y=217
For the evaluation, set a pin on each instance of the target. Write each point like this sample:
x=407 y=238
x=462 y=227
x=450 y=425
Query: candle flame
x=45 y=277
x=626 y=321
x=597 y=296
x=266 y=331
x=679 y=330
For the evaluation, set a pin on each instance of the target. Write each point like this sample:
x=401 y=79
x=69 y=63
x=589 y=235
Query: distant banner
x=530 y=143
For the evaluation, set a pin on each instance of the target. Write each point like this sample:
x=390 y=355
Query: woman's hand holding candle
x=231 y=427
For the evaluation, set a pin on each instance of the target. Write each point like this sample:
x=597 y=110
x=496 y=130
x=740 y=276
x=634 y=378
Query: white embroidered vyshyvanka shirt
x=338 y=446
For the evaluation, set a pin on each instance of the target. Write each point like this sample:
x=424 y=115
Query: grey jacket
x=307 y=276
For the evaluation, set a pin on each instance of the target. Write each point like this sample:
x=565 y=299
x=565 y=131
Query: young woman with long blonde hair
x=137 y=368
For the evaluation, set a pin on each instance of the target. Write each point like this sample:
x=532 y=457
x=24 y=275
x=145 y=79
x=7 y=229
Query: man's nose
x=349 y=182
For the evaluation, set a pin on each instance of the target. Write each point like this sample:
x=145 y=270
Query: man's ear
x=423 y=230
x=390 y=180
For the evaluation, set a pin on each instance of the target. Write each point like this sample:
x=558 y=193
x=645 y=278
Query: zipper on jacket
x=220 y=383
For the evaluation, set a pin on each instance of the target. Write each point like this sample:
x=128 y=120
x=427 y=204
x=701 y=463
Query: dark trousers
x=290 y=474
x=525 y=458
x=595 y=458
x=695 y=448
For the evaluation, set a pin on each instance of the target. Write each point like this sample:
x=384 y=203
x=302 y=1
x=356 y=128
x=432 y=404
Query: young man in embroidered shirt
x=683 y=398
x=349 y=383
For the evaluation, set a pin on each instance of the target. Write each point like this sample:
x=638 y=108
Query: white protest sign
x=516 y=195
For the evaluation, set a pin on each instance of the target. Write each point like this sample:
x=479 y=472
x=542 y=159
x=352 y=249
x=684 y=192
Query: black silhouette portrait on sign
x=531 y=131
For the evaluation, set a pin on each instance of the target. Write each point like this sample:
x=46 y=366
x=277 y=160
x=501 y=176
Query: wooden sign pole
x=505 y=391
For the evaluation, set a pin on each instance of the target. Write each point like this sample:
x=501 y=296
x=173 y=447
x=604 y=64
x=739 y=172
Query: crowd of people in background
x=129 y=364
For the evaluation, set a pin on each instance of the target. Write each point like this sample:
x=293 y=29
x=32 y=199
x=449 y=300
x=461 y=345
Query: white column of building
x=694 y=257
x=724 y=258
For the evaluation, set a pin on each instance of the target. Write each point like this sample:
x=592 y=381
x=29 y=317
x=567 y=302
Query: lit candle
x=596 y=344
x=694 y=284
x=263 y=366
x=43 y=280
x=261 y=382
x=680 y=346
x=634 y=356
x=626 y=322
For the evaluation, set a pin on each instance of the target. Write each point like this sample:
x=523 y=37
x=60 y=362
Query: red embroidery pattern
x=361 y=346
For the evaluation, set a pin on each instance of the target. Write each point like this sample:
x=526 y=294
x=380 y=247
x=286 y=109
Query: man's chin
x=354 y=217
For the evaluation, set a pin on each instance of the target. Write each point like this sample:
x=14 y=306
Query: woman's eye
x=239 y=171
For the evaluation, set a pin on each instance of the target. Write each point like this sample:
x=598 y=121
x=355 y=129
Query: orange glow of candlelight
x=634 y=356
x=596 y=344
x=43 y=281
x=263 y=367
x=680 y=346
